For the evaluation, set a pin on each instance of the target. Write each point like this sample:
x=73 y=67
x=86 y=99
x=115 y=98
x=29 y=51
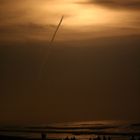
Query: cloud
x=37 y=19
x=25 y=31
x=126 y=4
x=29 y=27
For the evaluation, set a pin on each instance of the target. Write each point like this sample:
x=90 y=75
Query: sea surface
x=80 y=130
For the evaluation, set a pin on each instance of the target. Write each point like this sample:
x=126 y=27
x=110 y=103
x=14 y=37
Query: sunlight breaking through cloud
x=81 y=17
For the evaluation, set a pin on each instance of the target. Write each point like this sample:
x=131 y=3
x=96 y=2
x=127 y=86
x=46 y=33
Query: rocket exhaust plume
x=49 y=49
x=58 y=26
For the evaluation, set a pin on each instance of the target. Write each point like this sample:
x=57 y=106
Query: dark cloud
x=101 y=75
x=29 y=27
x=130 y=4
x=24 y=31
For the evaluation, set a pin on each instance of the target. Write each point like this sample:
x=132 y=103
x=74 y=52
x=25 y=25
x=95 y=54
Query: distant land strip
x=74 y=132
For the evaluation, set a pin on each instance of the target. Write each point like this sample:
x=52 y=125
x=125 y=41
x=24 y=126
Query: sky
x=91 y=71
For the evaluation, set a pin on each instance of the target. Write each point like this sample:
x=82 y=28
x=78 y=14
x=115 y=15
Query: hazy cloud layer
x=130 y=4
x=92 y=80
x=37 y=19
x=26 y=31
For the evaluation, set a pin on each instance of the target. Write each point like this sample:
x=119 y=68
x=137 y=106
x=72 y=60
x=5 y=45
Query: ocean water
x=80 y=130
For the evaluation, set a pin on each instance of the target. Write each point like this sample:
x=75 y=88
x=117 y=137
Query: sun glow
x=78 y=14
x=82 y=19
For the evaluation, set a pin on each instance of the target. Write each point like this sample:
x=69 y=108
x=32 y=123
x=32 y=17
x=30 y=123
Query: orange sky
x=83 y=19
x=92 y=72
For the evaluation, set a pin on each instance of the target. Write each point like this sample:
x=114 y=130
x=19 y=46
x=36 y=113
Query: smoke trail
x=54 y=35
x=45 y=60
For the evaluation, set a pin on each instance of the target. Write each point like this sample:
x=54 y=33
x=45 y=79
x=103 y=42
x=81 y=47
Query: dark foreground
x=4 y=137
